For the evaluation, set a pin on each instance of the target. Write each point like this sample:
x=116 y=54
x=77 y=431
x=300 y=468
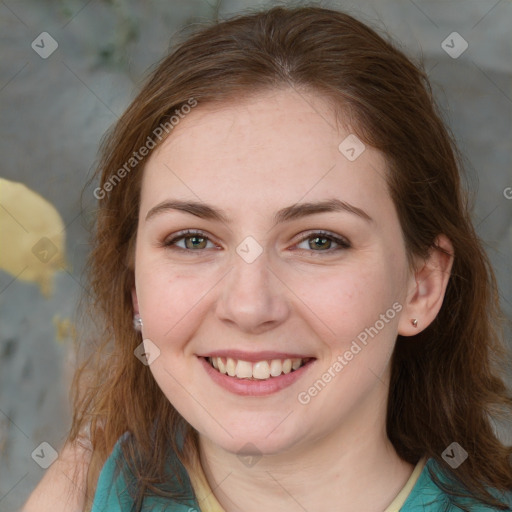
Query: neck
x=354 y=467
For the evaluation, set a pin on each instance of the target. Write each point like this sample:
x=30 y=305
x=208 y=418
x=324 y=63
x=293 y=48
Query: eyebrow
x=296 y=211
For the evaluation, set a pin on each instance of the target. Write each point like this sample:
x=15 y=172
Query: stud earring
x=414 y=322
x=137 y=322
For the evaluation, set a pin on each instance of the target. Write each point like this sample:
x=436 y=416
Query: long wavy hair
x=446 y=386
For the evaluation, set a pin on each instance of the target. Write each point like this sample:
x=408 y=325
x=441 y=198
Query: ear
x=427 y=287
x=135 y=302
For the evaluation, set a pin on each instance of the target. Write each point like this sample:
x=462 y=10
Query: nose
x=253 y=298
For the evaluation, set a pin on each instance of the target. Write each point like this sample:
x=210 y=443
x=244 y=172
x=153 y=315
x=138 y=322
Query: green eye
x=196 y=241
x=322 y=238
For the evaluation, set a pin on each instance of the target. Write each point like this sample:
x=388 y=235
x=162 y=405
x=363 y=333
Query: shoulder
x=426 y=496
x=61 y=488
x=117 y=486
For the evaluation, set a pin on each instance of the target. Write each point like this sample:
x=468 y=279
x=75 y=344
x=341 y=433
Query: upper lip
x=254 y=356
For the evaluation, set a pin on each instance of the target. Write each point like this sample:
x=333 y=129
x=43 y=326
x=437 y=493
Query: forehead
x=281 y=145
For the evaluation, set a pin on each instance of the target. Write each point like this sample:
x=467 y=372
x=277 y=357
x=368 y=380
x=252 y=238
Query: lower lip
x=247 y=387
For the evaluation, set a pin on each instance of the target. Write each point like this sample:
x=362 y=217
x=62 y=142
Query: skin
x=251 y=158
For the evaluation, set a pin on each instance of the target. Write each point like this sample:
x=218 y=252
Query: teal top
x=112 y=492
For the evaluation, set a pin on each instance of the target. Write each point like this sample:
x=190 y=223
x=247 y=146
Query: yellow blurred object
x=64 y=329
x=32 y=236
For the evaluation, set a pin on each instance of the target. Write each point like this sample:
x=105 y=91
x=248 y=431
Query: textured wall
x=56 y=106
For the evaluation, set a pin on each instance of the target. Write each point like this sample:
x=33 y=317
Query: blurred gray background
x=54 y=111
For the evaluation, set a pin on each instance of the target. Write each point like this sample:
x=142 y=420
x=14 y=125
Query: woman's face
x=263 y=286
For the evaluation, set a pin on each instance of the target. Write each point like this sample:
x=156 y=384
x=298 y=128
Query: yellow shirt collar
x=208 y=502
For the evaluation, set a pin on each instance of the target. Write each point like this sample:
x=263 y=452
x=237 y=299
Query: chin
x=261 y=439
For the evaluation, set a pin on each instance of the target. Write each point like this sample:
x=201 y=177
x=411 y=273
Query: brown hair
x=445 y=386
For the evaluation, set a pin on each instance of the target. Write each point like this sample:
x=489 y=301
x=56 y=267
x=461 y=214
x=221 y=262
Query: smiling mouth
x=260 y=370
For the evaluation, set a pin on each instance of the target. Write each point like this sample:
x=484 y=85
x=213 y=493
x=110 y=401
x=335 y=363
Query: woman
x=298 y=313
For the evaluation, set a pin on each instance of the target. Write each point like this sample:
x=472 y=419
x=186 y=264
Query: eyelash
x=343 y=243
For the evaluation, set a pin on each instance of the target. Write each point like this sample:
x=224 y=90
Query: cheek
x=172 y=300
x=345 y=301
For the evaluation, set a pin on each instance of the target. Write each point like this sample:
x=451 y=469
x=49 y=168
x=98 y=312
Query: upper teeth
x=258 y=370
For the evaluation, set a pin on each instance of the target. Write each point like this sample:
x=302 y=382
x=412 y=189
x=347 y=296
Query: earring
x=137 y=322
x=414 y=322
